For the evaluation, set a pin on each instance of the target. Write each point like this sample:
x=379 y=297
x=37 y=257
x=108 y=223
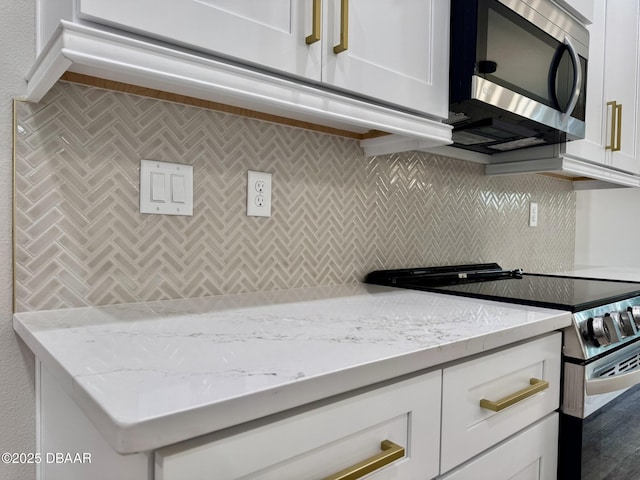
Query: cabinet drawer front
x=468 y=428
x=323 y=441
x=530 y=455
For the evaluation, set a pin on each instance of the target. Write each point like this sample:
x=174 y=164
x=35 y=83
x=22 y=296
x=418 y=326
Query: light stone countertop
x=151 y=374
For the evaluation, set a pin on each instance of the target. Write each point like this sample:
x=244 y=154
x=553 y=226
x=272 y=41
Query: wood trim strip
x=14 y=208
x=581 y=179
x=220 y=107
x=564 y=177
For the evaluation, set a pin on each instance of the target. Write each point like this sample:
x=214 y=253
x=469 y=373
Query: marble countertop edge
x=132 y=437
x=151 y=432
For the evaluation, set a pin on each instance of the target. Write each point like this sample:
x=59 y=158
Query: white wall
x=608 y=227
x=17 y=406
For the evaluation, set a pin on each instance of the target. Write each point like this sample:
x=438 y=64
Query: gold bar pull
x=619 y=128
x=537 y=386
x=390 y=453
x=344 y=28
x=612 y=146
x=315 y=29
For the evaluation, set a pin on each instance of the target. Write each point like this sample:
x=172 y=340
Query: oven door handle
x=612 y=384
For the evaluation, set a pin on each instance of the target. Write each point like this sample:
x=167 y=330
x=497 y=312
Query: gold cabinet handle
x=315 y=28
x=613 y=126
x=616 y=127
x=618 y=146
x=536 y=386
x=344 y=28
x=390 y=453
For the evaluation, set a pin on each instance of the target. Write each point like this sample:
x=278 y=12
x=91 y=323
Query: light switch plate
x=166 y=188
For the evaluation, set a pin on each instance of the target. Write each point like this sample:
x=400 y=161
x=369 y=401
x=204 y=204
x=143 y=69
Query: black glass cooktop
x=550 y=291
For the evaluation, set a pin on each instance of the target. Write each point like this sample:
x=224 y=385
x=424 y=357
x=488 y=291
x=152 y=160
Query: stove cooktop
x=606 y=313
x=490 y=282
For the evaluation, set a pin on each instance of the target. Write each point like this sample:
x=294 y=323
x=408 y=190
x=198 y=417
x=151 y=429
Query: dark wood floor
x=611 y=440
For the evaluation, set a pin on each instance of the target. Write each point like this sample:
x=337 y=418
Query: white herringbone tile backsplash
x=335 y=216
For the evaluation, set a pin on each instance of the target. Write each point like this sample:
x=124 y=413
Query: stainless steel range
x=600 y=411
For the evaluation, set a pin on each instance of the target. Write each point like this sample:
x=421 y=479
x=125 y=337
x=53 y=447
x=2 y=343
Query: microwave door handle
x=577 y=83
x=613 y=383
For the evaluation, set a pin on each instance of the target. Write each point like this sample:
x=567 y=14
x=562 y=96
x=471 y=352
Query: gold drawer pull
x=315 y=30
x=390 y=453
x=537 y=386
x=344 y=28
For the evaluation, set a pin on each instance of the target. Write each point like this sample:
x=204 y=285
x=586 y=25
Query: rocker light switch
x=166 y=188
x=157 y=187
x=177 y=189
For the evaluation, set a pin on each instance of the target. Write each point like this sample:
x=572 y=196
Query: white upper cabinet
x=356 y=66
x=395 y=51
x=610 y=151
x=373 y=48
x=268 y=33
x=621 y=84
x=612 y=98
x=583 y=9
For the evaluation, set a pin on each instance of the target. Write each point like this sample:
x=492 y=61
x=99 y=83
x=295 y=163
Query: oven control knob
x=635 y=313
x=599 y=332
x=625 y=322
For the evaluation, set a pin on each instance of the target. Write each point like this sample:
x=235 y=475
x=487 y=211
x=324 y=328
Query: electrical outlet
x=533 y=214
x=258 y=194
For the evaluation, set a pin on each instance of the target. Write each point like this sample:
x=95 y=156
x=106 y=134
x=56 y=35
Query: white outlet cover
x=533 y=214
x=258 y=194
x=166 y=188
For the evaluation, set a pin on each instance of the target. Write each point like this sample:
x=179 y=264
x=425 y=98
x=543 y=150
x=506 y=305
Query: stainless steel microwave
x=518 y=71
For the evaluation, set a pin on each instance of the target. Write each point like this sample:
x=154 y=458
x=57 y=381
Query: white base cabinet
x=313 y=443
x=62 y=427
x=427 y=425
x=467 y=427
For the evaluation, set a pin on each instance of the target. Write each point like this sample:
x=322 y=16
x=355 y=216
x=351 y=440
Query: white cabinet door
x=621 y=82
x=613 y=76
x=530 y=455
x=397 y=51
x=592 y=147
x=268 y=33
